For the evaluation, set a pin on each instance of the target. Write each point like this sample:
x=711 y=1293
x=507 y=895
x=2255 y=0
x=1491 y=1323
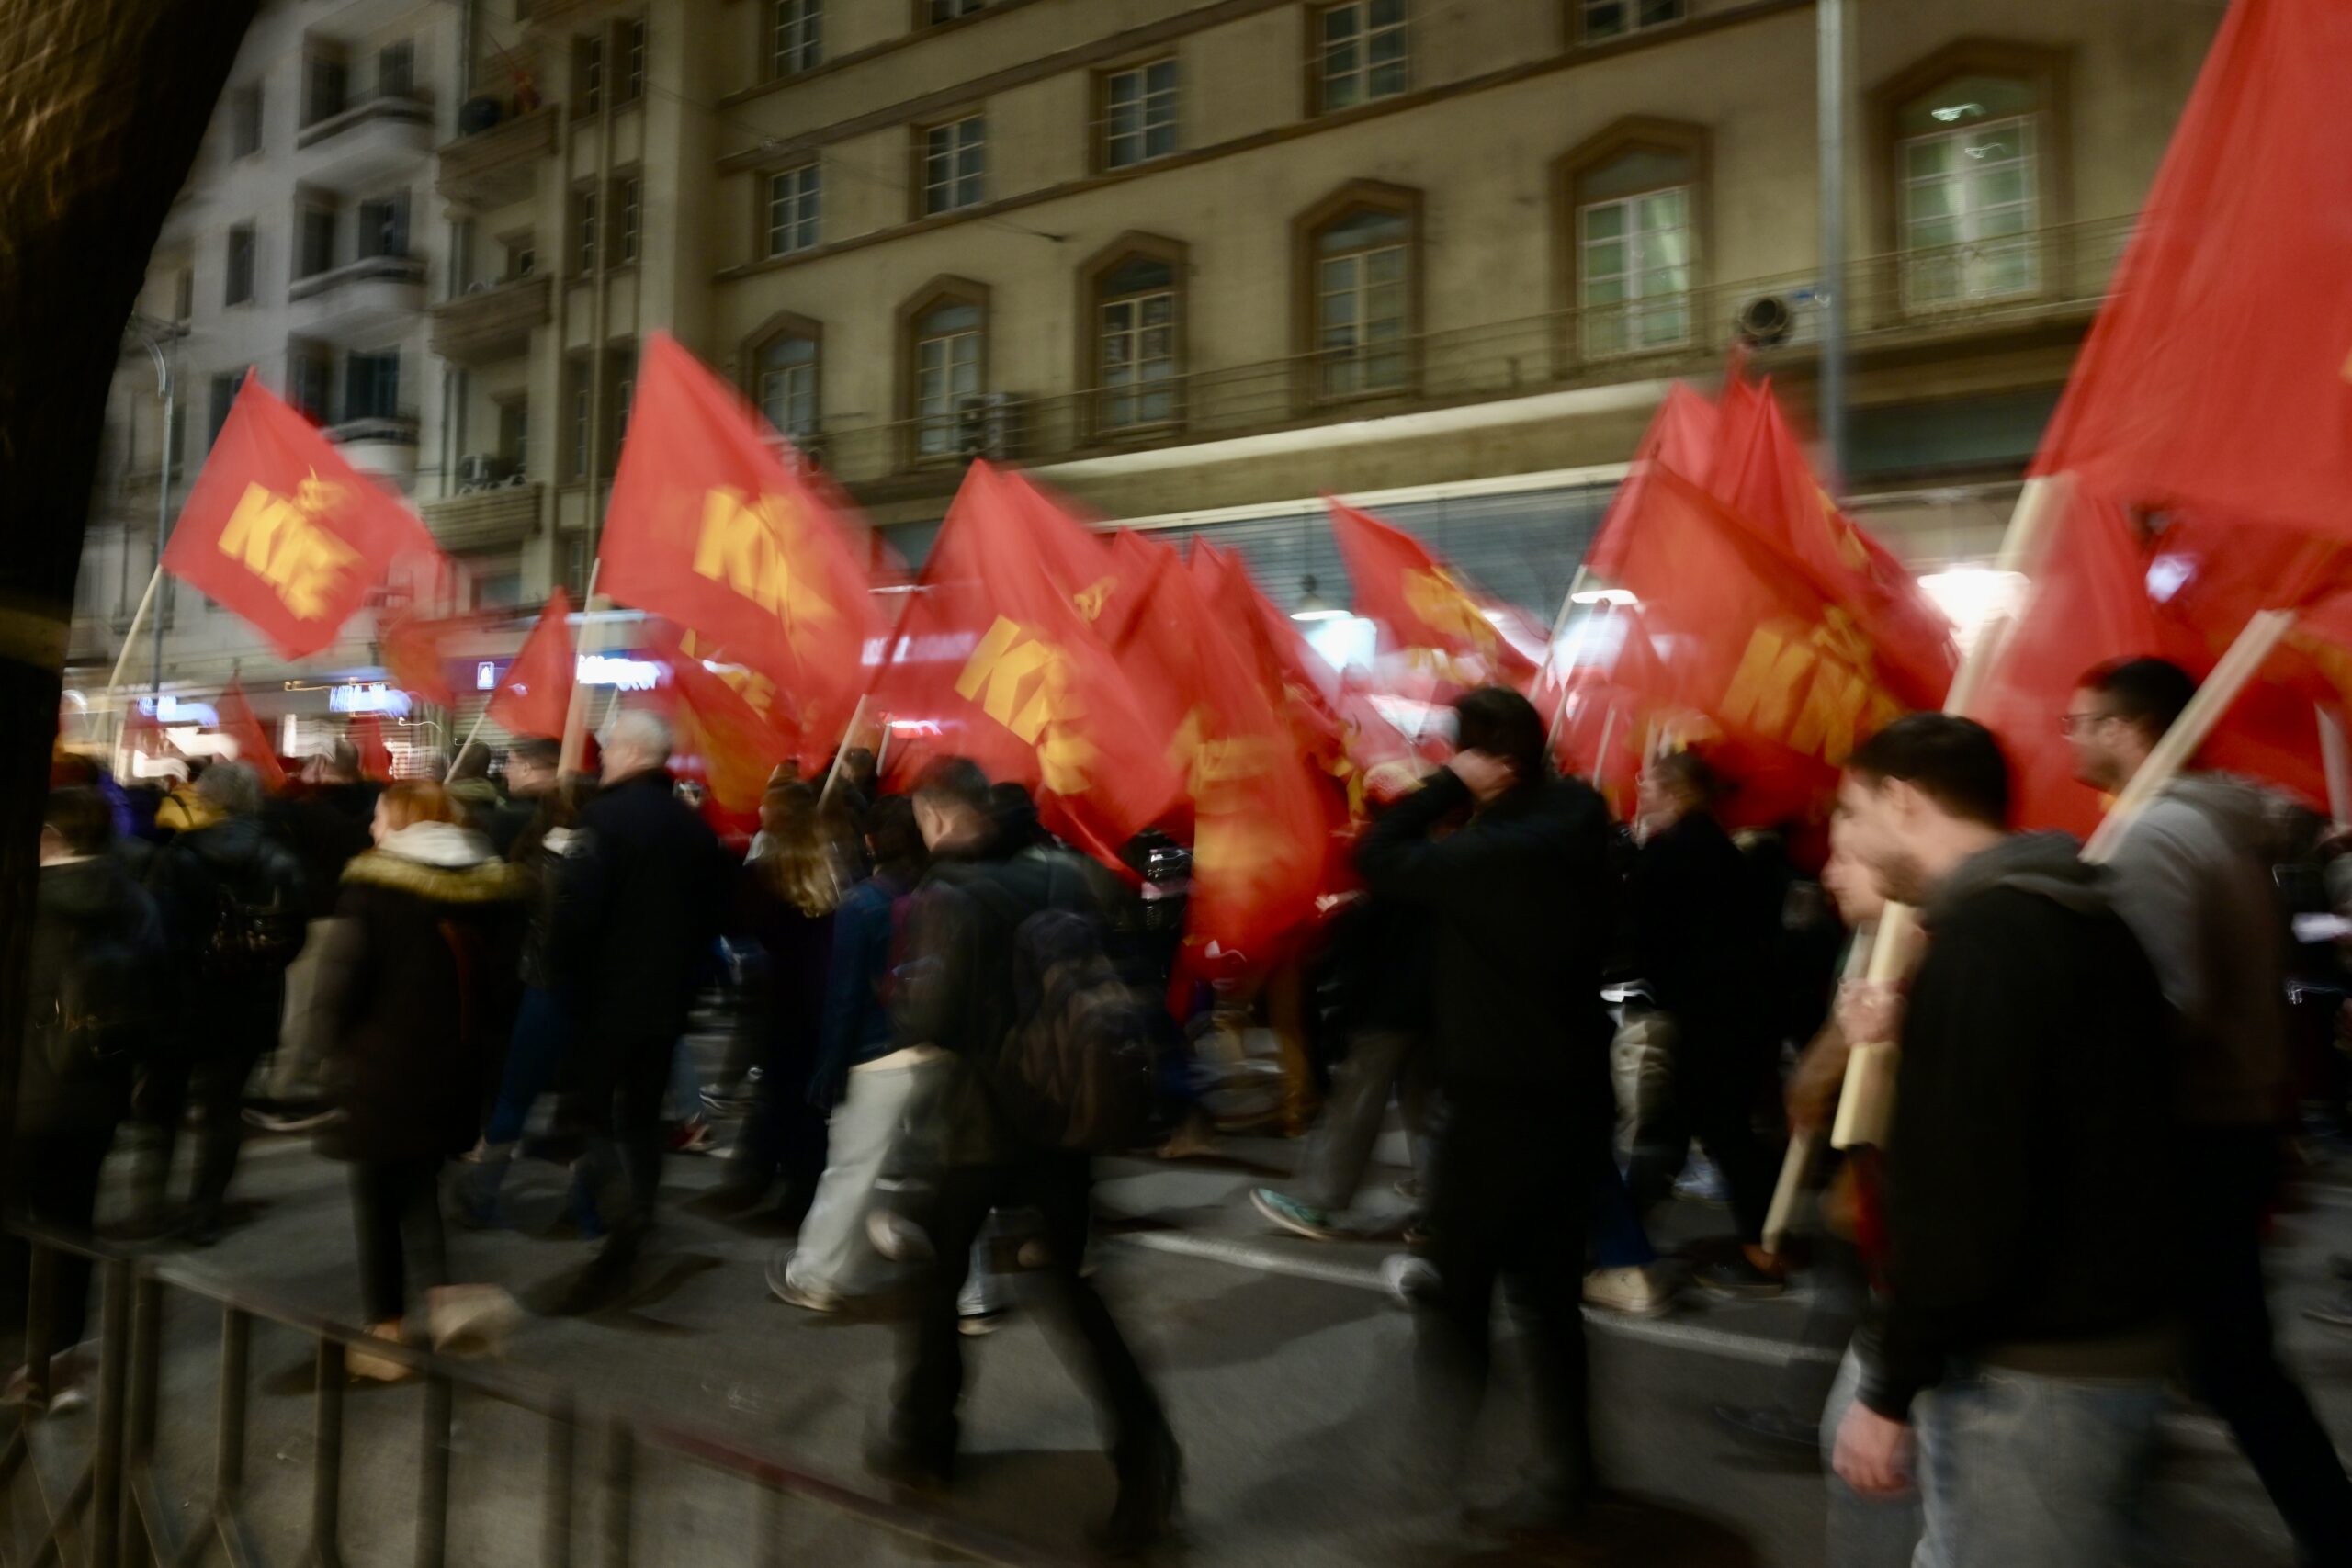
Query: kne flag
x=2218 y=377
x=1259 y=830
x=367 y=738
x=284 y=532
x=1418 y=605
x=415 y=656
x=1761 y=475
x=709 y=527
x=240 y=723
x=733 y=745
x=994 y=661
x=533 y=698
x=1752 y=659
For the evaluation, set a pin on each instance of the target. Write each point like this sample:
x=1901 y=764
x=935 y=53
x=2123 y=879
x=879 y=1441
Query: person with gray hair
x=232 y=901
x=639 y=910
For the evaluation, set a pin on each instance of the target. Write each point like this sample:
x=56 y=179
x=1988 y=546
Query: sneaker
x=2336 y=1314
x=791 y=1293
x=472 y=1320
x=1636 y=1292
x=1736 y=1277
x=1303 y=1219
x=1412 y=1281
x=1702 y=1182
x=896 y=1237
x=981 y=1322
x=1409 y=1188
x=1774 y=1428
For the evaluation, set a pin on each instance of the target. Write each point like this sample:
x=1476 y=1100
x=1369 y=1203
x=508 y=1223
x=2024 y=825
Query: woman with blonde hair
x=416 y=992
x=790 y=890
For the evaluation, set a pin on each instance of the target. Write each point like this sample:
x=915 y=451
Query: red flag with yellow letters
x=282 y=530
x=995 y=662
x=709 y=527
x=721 y=736
x=533 y=697
x=1420 y=605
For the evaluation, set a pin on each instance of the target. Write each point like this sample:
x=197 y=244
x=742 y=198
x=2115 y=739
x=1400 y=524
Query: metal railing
x=1922 y=296
x=115 y=1510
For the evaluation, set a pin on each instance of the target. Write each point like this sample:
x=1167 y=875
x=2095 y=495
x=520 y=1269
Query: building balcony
x=1911 y=307
x=490 y=322
x=382 y=447
x=371 y=140
x=368 y=295
x=498 y=517
x=498 y=166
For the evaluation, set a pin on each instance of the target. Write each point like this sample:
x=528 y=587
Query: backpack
x=103 y=1007
x=258 y=918
x=1078 y=1070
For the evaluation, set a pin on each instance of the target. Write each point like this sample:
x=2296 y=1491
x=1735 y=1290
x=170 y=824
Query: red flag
x=368 y=738
x=1418 y=604
x=2219 y=374
x=1762 y=476
x=721 y=736
x=414 y=654
x=1687 y=431
x=1259 y=830
x=239 y=722
x=995 y=663
x=533 y=698
x=1752 y=659
x=284 y=532
x=709 y=527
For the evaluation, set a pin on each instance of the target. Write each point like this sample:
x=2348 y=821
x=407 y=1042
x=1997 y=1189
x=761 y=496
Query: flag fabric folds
x=708 y=526
x=367 y=738
x=282 y=530
x=995 y=662
x=533 y=697
x=240 y=723
x=414 y=654
x=2218 y=377
x=734 y=747
x=1418 y=605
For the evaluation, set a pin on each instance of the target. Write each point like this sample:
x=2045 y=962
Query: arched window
x=1359 y=255
x=1133 y=347
x=943 y=337
x=788 y=385
x=1632 y=204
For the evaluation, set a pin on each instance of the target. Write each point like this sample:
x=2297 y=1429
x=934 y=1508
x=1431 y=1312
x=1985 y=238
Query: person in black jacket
x=637 y=922
x=416 y=988
x=325 y=822
x=956 y=993
x=1700 y=937
x=1520 y=907
x=2026 y=1338
x=234 y=906
x=89 y=1013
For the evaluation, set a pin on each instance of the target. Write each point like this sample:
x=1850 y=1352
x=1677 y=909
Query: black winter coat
x=90 y=1000
x=1520 y=907
x=640 y=908
x=417 y=985
x=212 y=1013
x=1702 y=934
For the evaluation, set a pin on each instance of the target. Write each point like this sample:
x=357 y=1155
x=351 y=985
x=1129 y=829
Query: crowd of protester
x=947 y=1015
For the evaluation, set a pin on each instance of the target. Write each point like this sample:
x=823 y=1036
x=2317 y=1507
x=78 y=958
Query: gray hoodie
x=2192 y=880
x=2047 y=864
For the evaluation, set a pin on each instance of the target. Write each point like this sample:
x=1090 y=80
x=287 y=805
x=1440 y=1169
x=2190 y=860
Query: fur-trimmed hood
x=439 y=861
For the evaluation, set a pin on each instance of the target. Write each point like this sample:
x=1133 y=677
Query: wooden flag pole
x=1866 y=1103
x=575 y=717
x=2335 y=757
x=1805 y=1145
x=122 y=662
x=856 y=718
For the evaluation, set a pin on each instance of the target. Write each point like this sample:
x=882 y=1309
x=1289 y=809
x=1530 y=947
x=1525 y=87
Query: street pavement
x=1286 y=1367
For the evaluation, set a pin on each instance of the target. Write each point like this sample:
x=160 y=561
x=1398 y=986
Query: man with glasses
x=2192 y=880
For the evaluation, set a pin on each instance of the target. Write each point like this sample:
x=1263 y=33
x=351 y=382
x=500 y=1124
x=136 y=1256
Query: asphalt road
x=1286 y=1368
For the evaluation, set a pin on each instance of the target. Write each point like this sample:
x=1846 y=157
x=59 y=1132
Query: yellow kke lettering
x=1444 y=604
x=1022 y=682
x=751 y=544
x=281 y=540
x=1091 y=599
x=1808 y=687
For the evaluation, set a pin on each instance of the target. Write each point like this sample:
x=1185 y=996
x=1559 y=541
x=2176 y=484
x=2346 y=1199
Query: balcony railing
x=497 y=167
x=2053 y=276
x=403 y=108
x=388 y=269
x=485 y=519
x=390 y=430
x=491 y=324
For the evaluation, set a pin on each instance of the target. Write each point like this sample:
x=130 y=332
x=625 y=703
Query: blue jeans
x=536 y=1050
x=2018 y=1471
x=1618 y=1240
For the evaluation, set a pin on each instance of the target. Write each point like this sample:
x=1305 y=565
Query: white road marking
x=1657 y=1331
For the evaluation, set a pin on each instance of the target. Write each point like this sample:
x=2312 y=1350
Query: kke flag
x=737 y=748
x=2219 y=375
x=1418 y=603
x=709 y=527
x=240 y=723
x=284 y=532
x=533 y=698
x=994 y=661
x=367 y=737
x=413 y=657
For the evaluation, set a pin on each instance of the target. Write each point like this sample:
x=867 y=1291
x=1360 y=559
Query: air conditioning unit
x=988 y=424
x=478 y=470
x=1776 y=320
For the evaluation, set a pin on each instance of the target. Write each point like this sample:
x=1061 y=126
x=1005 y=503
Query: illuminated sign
x=626 y=674
x=178 y=710
x=486 y=675
x=367 y=697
